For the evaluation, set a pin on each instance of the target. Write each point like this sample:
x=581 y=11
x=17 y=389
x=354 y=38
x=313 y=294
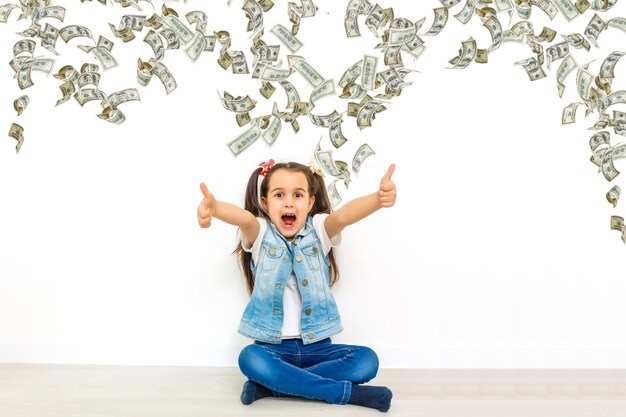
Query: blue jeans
x=320 y=370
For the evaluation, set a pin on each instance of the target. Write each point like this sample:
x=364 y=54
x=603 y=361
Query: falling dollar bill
x=617 y=223
x=532 y=68
x=333 y=194
x=285 y=36
x=364 y=152
x=243 y=141
x=17 y=132
x=613 y=195
x=20 y=104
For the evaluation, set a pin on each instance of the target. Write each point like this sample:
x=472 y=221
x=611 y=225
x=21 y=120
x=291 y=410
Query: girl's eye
x=278 y=195
x=298 y=195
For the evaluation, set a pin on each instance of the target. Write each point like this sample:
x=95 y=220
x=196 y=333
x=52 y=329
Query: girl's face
x=288 y=201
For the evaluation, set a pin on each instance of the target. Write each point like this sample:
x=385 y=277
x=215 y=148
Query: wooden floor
x=136 y=391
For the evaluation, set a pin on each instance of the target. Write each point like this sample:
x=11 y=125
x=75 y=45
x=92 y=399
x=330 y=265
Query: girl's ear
x=264 y=202
x=311 y=202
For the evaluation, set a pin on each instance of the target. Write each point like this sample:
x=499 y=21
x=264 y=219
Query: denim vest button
x=295 y=242
x=311 y=335
x=299 y=258
x=314 y=249
x=308 y=311
x=305 y=282
x=273 y=251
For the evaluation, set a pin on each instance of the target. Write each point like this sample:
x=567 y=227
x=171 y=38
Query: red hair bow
x=266 y=167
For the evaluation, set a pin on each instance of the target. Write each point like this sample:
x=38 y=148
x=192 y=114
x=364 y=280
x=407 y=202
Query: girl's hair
x=321 y=205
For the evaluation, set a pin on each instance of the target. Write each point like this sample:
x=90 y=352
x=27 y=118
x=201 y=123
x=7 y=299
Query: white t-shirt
x=292 y=300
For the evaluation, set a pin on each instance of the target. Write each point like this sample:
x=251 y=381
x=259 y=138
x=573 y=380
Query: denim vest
x=263 y=317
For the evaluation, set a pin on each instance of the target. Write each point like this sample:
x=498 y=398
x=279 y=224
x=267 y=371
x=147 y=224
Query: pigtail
x=252 y=205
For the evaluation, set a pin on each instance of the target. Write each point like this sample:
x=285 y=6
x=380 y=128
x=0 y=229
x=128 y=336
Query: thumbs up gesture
x=387 y=191
x=206 y=207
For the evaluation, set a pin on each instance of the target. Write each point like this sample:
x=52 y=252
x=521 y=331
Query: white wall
x=497 y=253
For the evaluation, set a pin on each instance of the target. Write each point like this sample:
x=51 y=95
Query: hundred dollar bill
x=273 y=130
x=267 y=72
x=243 y=118
x=375 y=19
x=113 y=100
x=577 y=41
x=198 y=17
x=75 y=31
x=111 y=115
x=156 y=43
x=466 y=54
x=364 y=152
x=106 y=59
x=180 y=29
x=267 y=53
x=49 y=38
x=336 y=135
x=154 y=21
x=617 y=223
x=546 y=6
x=237 y=104
x=368 y=72
x=89 y=94
x=126 y=34
x=351 y=74
x=618 y=23
x=466 y=12
x=239 y=65
x=566 y=67
x=613 y=195
x=608 y=168
x=325 y=160
x=581 y=5
x=333 y=194
x=144 y=72
x=324 y=89
x=350 y=22
x=104 y=43
x=165 y=76
x=393 y=80
x=171 y=38
x=196 y=47
x=441 y=18
x=5 y=11
x=595 y=26
x=56 y=12
x=20 y=104
x=450 y=3
x=67 y=73
x=305 y=69
x=22 y=46
x=584 y=80
x=495 y=29
x=323 y=121
x=292 y=94
x=353 y=91
x=285 y=36
x=243 y=141
x=608 y=65
x=367 y=113
x=67 y=89
x=567 y=8
x=88 y=77
x=569 y=113
x=255 y=15
x=393 y=56
x=557 y=51
x=17 y=132
x=618 y=97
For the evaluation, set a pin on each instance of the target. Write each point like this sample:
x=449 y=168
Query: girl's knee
x=368 y=364
x=253 y=361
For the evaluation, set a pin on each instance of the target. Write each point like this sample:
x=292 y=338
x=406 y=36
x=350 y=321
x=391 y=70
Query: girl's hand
x=387 y=192
x=206 y=207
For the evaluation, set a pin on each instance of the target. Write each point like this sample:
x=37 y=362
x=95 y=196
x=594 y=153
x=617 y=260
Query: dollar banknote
x=617 y=223
x=556 y=52
x=613 y=194
x=333 y=194
x=285 y=36
x=244 y=140
x=595 y=26
x=5 y=12
x=67 y=89
x=364 y=152
x=20 y=104
x=199 y=18
x=607 y=69
x=336 y=135
x=566 y=67
x=466 y=12
x=17 y=132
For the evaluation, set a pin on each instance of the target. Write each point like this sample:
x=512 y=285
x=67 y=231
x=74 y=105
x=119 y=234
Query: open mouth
x=288 y=219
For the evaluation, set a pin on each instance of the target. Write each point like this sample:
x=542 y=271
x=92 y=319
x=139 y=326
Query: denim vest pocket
x=312 y=256
x=271 y=255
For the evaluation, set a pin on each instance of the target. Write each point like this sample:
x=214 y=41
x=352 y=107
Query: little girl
x=288 y=232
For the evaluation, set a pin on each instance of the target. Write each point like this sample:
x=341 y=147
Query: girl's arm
x=361 y=207
x=226 y=212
